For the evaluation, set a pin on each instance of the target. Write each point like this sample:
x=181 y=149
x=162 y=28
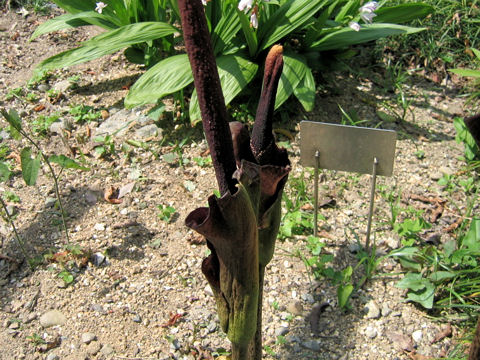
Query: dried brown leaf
x=173 y=320
x=443 y=333
x=111 y=195
x=401 y=342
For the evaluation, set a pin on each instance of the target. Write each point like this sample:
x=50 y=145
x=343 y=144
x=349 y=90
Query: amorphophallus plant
x=241 y=226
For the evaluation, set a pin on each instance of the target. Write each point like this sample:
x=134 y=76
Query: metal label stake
x=315 y=214
x=372 y=199
x=347 y=148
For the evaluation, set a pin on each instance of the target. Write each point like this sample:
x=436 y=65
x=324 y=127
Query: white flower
x=369 y=7
x=254 y=20
x=367 y=17
x=100 y=7
x=367 y=11
x=245 y=5
x=354 y=25
x=204 y=2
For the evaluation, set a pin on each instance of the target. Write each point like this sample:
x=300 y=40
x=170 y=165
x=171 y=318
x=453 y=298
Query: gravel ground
x=138 y=293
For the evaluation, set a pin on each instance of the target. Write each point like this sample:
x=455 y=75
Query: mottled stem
x=475 y=346
x=209 y=92
x=263 y=143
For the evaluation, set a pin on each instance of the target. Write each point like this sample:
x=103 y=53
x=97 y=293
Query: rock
x=417 y=336
x=52 y=318
x=312 y=345
x=137 y=319
x=90 y=197
x=175 y=345
x=371 y=332
x=12 y=210
x=208 y=290
x=93 y=348
x=385 y=309
x=59 y=126
x=281 y=331
x=354 y=248
x=107 y=350
x=50 y=202
x=62 y=86
x=148 y=131
x=116 y=124
x=99 y=227
x=88 y=337
x=98 y=258
x=52 y=356
x=295 y=308
x=43 y=87
x=98 y=308
x=14 y=325
x=373 y=312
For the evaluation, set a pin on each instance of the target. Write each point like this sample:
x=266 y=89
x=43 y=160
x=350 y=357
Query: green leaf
x=412 y=281
x=294 y=70
x=5 y=172
x=425 y=297
x=476 y=51
x=235 y=73
x=12 y=118
x=350 y=8
x=30 y=166
x=347 y=36
x=249 y=33
x=66 y=276
x=66 y=162
x=439 y=276
x=305 y=91
x=403 y=13
x=226 y=29
x=74 y=20
x=75 y=6
x=107 y=43
x=166 y=77
x=290 y=16
x=472 y=238
x=343 y=294
x=466 y=72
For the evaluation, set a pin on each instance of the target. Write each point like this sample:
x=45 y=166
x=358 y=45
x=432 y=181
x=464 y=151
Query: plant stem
x=17 y=235
x=55 y=181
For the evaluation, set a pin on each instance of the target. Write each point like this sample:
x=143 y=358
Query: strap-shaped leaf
x=30 y=166
x=165 y=77
x=290 y=16
x=402 y=13
x=294 y=70
x=350 y=8
x=75 y=6
x=305 y=91
x=466 y=72
x=107 y=43
x=347 y=36
x=235 y=73
x=226 y=29
x=249 y=33
x=75 y=20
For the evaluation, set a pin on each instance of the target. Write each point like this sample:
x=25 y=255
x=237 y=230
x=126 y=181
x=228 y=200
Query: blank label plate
x=347 y=148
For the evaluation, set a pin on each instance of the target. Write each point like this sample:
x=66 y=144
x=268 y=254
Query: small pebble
x=371 y=332
x=417 y=336
x=373 y=312
x=88 y=337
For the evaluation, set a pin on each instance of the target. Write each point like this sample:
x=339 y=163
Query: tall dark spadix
x=240 y=227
